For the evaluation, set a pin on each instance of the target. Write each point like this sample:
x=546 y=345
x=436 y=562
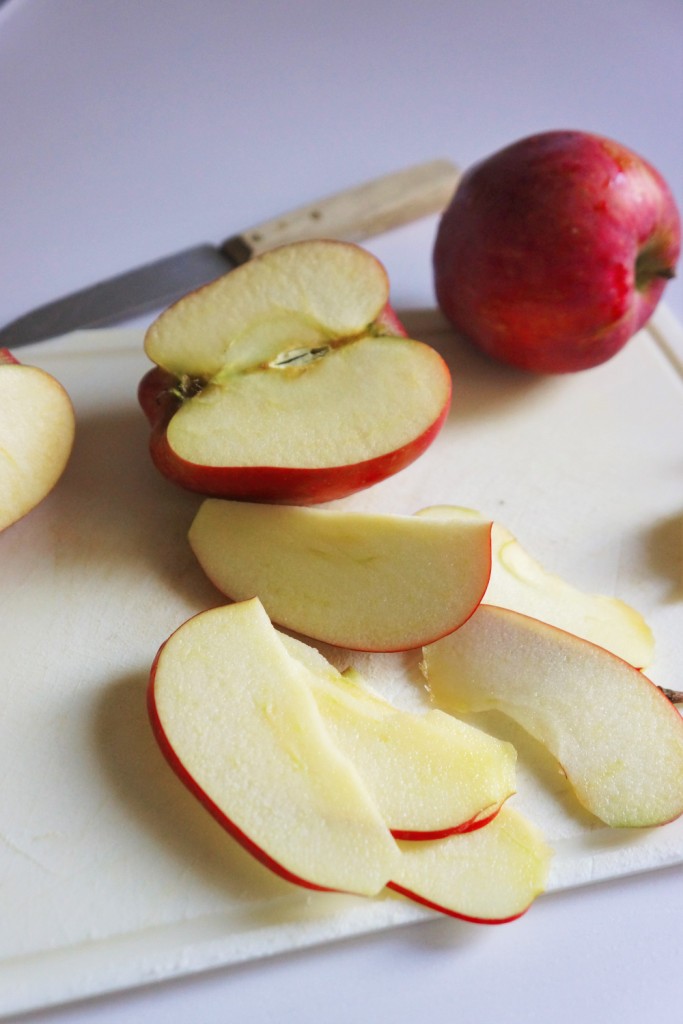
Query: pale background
x=130 y=129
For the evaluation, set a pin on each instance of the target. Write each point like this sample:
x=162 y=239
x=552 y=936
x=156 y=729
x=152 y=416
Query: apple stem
x=648 y=266
x=675 y=696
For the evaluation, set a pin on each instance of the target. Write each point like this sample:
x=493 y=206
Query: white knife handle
x=357 y=213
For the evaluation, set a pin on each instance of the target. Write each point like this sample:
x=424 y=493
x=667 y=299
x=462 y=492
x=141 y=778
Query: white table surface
x=134 y=128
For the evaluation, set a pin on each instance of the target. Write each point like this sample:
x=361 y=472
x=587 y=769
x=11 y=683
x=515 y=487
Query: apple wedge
x=37 y=427
x=490 y=876
x=243 y=732
x=372 y=582
x=290 y=379
x=430 y=774
x=617 y=737
x=520 y=583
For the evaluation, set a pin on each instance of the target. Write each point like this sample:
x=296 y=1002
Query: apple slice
x=617 y=737
x=520 y=583
x=372 y=582
x=243 y=732
x=37 y=427
x=429 y=774
x=290 y=380
x=490 y=876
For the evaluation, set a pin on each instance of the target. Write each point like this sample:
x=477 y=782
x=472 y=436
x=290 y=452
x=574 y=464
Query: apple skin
x=555 y=250
x=159 y=401
x=458 y=915
x=7 y=358
x=474 y=823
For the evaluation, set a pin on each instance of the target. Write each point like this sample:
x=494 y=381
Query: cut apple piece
x=372 y=582
x=490 y=876
x=429 y=774
x=616 y=736
x=242 y=730
x=37 y=427
x=520 y=583
x=290 y=380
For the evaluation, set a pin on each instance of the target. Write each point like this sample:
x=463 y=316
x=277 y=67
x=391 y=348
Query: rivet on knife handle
x=356 y=214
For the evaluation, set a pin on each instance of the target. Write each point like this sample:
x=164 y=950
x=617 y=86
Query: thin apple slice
x=290 y=380
x=520 y=583
x=37 y=427
x=429 y=773
x=372 y=582
x=490 y=876
x=616 y=736
x=243 y=732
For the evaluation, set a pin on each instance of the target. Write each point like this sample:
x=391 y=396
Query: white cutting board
x=110 y=874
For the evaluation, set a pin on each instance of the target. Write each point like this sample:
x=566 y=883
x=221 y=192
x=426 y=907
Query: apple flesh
x=371 y=582
x=555 y=250
x=290 y=380
x=246 y=718
x=490 y=876
x=617 y=737
x=37 y=427
x=520 y=583
x=430 y=774
x=243 y=732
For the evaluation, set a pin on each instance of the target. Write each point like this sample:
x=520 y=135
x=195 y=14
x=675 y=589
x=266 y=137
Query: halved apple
x=37 y=426
x=490 y=876
x=520 y=583
x=290 y=380
x=429 y=773
x=617 y=737
x=373 y=582
x=241 y=729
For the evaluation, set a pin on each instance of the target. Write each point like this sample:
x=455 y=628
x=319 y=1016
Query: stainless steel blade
x=130 y=294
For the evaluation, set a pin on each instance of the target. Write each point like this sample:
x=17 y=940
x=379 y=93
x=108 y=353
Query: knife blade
x=352 y=215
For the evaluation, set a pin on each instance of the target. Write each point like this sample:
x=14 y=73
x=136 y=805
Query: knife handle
x=357 y=213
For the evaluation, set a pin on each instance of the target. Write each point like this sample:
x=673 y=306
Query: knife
x=351 y=216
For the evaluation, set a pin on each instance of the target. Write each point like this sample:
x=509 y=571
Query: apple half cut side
x=430 y=774
x=616 y=736
x=366 y=581
x=520 y=583
x=290 y=379
x=37 y=428
x=491 y=876
x=243 y=732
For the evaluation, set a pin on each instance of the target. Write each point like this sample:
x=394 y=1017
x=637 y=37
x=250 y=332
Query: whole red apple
x=555 y=250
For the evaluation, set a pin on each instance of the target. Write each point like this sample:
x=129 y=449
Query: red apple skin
x=274 y=484
x=555 y=250
x=7 y=358
x=474 y=823
x=416 y=898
